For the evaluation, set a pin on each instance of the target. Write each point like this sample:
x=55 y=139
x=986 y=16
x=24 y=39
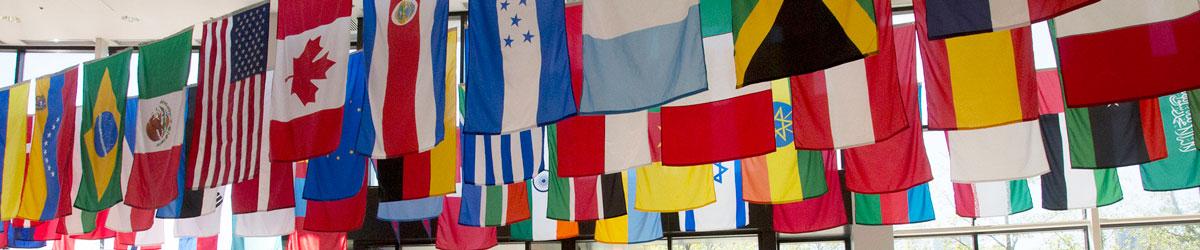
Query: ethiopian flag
x=104 y=85
x=804 y=36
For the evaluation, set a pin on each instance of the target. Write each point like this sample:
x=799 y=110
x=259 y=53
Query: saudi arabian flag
x=1178 y=170
x=104 y=86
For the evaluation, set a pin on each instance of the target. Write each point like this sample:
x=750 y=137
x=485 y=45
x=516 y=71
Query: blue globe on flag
x=106 y=134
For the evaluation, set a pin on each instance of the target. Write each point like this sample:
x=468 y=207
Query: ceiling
x=125 y=22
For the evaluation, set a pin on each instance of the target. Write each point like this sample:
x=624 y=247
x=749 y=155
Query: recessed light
x=131 y=19
x=11 y=19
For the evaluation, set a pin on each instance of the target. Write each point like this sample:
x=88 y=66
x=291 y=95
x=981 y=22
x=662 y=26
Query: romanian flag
x=672 y=189
x=904 y=207
x=1069 y=188
x=14 y=101
x=787 y=174
x=811 y=215
x=47 y=193
x=780 y=38
x=1178 y=170
x=980 y=80
x=104 y=87
x=1124 y=50
x=952 y=18
x=989 y=199
x=635 y=227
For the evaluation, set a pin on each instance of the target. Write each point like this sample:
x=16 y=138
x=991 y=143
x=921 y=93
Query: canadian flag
x=313 y=45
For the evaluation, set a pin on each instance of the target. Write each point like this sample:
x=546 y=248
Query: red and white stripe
x=228 y=137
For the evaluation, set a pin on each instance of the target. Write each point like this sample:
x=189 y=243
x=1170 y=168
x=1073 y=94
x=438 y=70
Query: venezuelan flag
x=50 y=150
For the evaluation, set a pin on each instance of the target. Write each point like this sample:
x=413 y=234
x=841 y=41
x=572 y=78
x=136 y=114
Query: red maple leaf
x=306 y=68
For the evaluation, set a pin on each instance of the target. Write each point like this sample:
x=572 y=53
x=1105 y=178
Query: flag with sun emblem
x=313 y=40
x=104 y=87
x=162 y=73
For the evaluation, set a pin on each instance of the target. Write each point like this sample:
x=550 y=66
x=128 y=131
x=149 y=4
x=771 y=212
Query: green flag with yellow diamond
x=104 y=86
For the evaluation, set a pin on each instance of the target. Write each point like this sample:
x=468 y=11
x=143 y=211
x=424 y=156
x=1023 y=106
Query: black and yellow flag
x=774 y=39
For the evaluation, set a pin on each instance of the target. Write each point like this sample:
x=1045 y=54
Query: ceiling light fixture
x=11 y=19
x=131 y=19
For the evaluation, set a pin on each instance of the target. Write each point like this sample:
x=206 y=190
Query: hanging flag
x=1116 y=135
x=301 y=238
x=787 y=174
x=777 y=39
x=419 y=175
x=14 y=101
x=150 y=238
x=1125 y=50
x=539 y=227
x=900 y=162
x=104 y=87
x=452 y=235
x=1178 y=170
x=724 y=122
x=980 y=80
x=226 y=143
x=45 y=195
x=162 y=74
x=265 y=224
x=304 y=239
x=190 y=203
x=501 y=159
x=1050 y=92
x=410 y=210
x=125 y=219
x=1008 y=152
x=816 y=214
x=333 y=176
x=1067 y=188
x=46 y=230
x=904 y=207
x=202 y=226
x=856 y=103
x=403 y=41
x=198 y=243
x=672 y=189
x=634 y=227
x=343 y=215
x=272 y=190
x=489 y=206
x=85 y=225
x=520 y=76
x=729 y=211
x=22 y=237
x=990 y=199
x=313 y=46
x=602 y=144
x=635 y=62
x=580 y=198
x=950 y=18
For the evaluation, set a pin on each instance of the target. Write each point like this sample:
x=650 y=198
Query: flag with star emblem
x=520 y=75
x=14 y=101
x=104 y=87
x=47 y=183
x=689 y=137
x=162 y=74
x=313 y=44
x=232 y=79
x=333 y=176
x=729 y=211
x=786 y=174
x=404 y=42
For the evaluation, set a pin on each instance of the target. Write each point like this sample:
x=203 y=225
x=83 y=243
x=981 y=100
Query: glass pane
x=716 y=243
x=1071 y=239
x=653 y=245
x=1153 y=237
x=8 y=68
x=42 y=63
x=962 y=242
x=1037 y=214
x=940 y=189
x=1141 y=203
x=817 y=245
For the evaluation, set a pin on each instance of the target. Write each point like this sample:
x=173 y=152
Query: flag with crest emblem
x=45 y=194
x=162 y=74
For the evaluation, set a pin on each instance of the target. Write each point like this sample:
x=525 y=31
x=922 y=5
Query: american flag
x=227 y=138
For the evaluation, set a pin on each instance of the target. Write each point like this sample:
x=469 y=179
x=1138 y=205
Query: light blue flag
x=410 y=210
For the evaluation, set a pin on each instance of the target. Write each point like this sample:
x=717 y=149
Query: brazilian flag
x=775 y=39
x=104 y=84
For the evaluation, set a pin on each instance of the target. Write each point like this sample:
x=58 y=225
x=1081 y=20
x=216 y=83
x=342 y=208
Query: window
x=1141 y=203
x=958 y=242
x=653 y=245
x=8 y=68
x=43 y=63
x=1070 y=239
x=721 y=242
x=816 y=245
x=1185 y=236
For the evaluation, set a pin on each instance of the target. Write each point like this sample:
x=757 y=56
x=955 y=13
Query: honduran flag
x=272 y=189
x=816 y=214
x=1008 y=152
x=667 y=189
x=489 y=206
x=900 y=162
x=539 y=227
x=1124 y=50
x=46 y=194
x=452 y=235
x=1178 y=170
x=520 y=76
x=904 y=207
x=501 y=159
x=634 y=227
x=978 y=81
x=162 y=75
x=14 y=128
x=728 y=212
x=640 y=54
x=409 y=210
x=333 y=176
x=1067 y=188
x=989 y=199
x=582 y=198
x=1116 y=134
x=787 y=174
x=404 y=42
x=343 y=215
x=724 y=122
x=953 y=18
x=313 y=40
x=777 y=39
x=857 y=102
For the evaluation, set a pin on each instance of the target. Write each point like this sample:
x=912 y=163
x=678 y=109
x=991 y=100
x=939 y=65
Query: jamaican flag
x=779 y=38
